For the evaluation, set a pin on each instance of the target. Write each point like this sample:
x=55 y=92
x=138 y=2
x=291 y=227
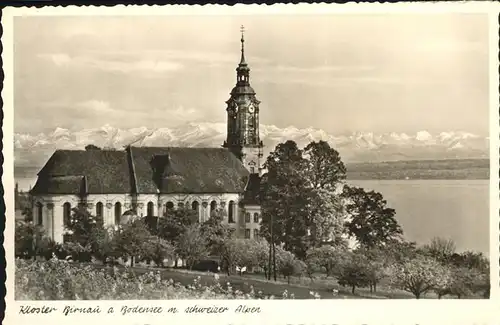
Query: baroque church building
x=147 y=181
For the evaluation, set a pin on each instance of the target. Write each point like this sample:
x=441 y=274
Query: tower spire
x=242 y=61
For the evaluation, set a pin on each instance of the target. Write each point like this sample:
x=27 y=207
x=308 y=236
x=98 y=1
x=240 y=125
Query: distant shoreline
x=446 y=169
x=459 y=169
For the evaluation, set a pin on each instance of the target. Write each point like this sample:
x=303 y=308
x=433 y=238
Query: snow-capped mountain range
x=34 y=150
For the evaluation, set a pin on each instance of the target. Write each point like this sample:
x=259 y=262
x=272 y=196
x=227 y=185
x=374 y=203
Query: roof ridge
x=130 y=157
x=178 y=147
x=84 y=150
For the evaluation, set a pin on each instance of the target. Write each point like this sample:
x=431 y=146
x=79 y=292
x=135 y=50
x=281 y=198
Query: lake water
x=455 y=209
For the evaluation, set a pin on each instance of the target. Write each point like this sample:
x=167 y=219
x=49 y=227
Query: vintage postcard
x=285 y=164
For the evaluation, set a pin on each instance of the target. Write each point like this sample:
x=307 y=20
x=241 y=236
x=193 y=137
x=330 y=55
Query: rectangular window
x=39 y=214
x=247 y=217
x=247 y=233
x=256 y=218
x=256 y=234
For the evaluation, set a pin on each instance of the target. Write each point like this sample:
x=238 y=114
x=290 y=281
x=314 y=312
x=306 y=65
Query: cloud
x=113 y=65
x=92 y=112
x=59 y=59
x=95 y=105
x=316 y=69
x=181 y=113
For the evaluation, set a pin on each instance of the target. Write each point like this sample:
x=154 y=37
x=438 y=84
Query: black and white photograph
x=253 y=156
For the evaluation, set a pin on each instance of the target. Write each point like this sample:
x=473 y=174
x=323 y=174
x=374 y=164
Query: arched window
x=99 y=212
x=256 y=217
x=118 y=212
x=180 y=205
x=230 y=216
x=66 y=214
x=151 y=208
x=39 y=213
x=213 y=206
x=247 y=217
x=195 y=206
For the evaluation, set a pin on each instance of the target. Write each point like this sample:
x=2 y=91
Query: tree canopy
x=299 y=194
x=371 y=222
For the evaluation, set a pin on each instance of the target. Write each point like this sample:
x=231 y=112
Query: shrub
x=77 y=252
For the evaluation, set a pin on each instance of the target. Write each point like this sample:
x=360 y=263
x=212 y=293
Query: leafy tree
x=28 y=213
x=479 y=266
x=326 y=222
x=483 y=283
x=104 y=244
x=289 y=265
x=327 y=257
x=471 y=260
x=91 y=147
x=175 y=222
x=324 y=166
x=238 y=252
x=377 y=262
x=216 y=232
x=420 y=275
x=82 y=225
x=324 y=171
x=464 y=281
x=157 y=250
x=441 y=249
x=250 y=250
x=372 y=222
x=354 y=271
x=260 y=250
x=229 y=255
x=399 y=251
x=299 y=195
x=30 y=239
x=285 y=197
x=132 y=240
x=461 y=282
x=192 y=245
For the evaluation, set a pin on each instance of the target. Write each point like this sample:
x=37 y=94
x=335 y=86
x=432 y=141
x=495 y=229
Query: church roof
x=105 y=171
x=242 y=90
x=144 y=170
x=251 y=195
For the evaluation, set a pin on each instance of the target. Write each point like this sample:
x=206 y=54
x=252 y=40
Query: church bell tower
x=243 y=118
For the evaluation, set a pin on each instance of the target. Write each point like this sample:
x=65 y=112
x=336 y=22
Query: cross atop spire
x=242 y=61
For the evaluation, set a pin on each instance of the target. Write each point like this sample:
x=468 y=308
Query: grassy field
x=300 y=288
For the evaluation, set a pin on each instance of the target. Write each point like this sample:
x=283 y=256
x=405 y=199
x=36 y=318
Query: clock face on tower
x=251 y=108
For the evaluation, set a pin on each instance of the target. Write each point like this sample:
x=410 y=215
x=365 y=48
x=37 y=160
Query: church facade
x=147 y=181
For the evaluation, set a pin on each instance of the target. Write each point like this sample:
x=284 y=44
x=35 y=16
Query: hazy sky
x=342 y=73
